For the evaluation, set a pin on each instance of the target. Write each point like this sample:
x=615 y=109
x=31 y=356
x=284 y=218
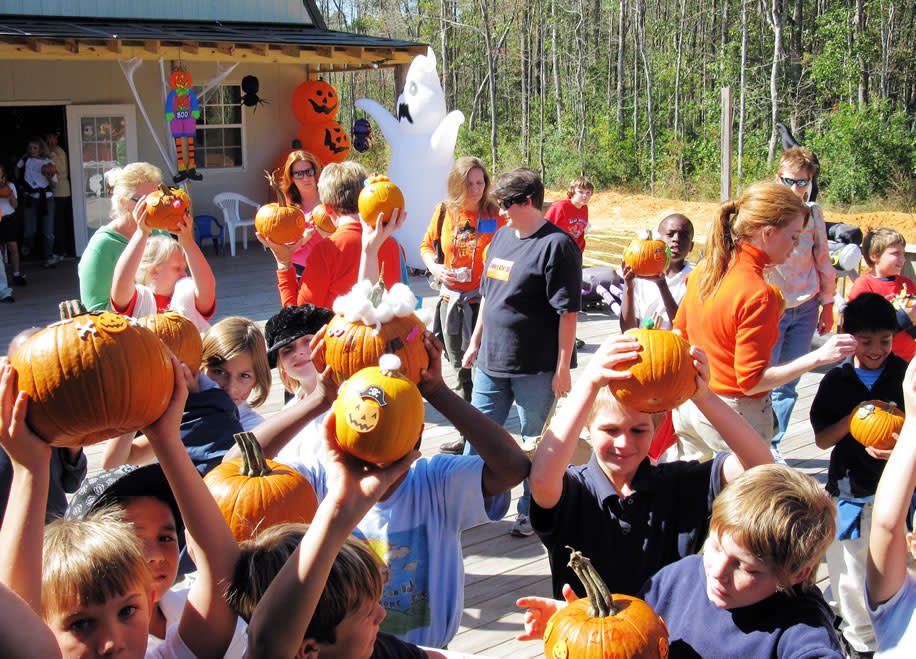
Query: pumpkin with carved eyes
x=93 y=376
x=379 y=196
x=378 y=413
x=280 y=221
x=326 y=140
x=875 y=422
x=647 y=258
x=179 y=334
x=314 y=101
x=166 y=207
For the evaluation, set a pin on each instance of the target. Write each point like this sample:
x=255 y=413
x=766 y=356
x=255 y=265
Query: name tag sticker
x=499 y=269
x=486 y=225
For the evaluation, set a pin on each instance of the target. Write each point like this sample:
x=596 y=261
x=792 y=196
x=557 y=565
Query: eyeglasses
x=800 y=182
x=509 y=202
x=302 y=173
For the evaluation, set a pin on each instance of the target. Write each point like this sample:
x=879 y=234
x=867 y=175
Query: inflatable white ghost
x=422 y=140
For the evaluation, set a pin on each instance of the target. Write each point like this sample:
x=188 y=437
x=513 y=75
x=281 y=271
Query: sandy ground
x=617 y=211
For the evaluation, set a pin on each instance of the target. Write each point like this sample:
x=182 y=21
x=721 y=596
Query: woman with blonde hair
x=731 y=312
x=299 y=183
x=453 y=250
x=128 y=186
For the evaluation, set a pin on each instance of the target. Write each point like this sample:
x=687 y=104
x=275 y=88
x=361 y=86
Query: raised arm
x=562 y=436
x=122 y=282
x=204 y=281
x=22 y=632
x=887 y=543
x=292 y=596
x=207 y=622
x=504 y=463
x=373 y=239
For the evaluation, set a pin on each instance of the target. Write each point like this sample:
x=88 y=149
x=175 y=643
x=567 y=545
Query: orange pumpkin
x=663 y=372
x=165 y=207
x=254 y=493
x=351 y=346
x=48 y=170
x=280 y=222
x=647 y=258
x=874 y=423
x=326 y=140
x=93 y=376
x=378 y=413
x=379 y=195
x=604 y=624
x=322 y=220
x=314 y=101
x=179 y=334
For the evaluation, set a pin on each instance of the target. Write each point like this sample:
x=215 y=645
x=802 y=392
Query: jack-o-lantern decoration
x=379 y=196
x=179 y=334
x=280 y=222
x=780 y=298
x=315 y=101
x=254 y=493
x=322 y=220
x=663 y=372
x=326 y=140
x=356 y=337
x=875 y=422
x=647 y=257
x=378 y=413
x=165 y=207
x=603 y=624
x=82 y=376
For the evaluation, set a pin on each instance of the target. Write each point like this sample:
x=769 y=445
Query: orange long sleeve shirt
x=737 y=326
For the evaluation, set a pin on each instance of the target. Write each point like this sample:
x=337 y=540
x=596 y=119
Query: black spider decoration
x=362 y=135
x=250 y=86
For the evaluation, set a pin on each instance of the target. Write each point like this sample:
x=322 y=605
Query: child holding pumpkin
x=289 y=334
x=889 y=587
x=91 y=583
x=874 y=373
x=752 y=592
x=630 y=517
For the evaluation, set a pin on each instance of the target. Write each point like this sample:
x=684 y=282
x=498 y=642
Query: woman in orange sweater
x=733 y=315
x=463 y=225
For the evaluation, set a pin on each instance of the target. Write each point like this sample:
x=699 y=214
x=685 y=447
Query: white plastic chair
x=228 y=202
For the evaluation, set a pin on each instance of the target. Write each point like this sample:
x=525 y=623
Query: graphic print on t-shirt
x=499 y=269
x=405 y=595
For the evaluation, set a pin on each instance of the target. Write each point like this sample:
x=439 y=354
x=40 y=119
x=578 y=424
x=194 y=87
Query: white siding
x=269 y=11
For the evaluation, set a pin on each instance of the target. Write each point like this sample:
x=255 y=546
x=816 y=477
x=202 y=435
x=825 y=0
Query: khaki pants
x=697 y=439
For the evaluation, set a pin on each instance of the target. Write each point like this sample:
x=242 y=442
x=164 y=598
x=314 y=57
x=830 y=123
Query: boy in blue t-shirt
x=874 y=373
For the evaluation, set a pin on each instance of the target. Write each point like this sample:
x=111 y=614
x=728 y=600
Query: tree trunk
x=491 y=74
x=443 y=50
x=554 y=52
x=526 y=91
x=887 y=40
x=740 y=173
x=641 y=37
x=860 y=55
x=777 y=18
x=621 y=20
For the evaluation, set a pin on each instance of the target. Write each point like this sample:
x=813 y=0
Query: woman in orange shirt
x=463 y=225
x=733 y=314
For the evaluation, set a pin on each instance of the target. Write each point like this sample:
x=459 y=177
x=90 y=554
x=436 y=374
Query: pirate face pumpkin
x=379 y=413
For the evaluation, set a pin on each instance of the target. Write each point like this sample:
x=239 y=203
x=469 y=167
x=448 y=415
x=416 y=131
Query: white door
x=100 y=137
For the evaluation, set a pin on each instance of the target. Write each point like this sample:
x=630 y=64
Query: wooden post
x=725 y=122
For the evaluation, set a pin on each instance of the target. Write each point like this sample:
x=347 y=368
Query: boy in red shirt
x=884 y=251
x=571 y=214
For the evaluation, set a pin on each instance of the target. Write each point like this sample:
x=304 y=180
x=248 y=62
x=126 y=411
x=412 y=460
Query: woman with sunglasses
x=300 y=185
x=453 y=249
x=807 y=279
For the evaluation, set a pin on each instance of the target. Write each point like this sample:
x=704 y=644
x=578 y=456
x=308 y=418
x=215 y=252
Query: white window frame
x=200 y=151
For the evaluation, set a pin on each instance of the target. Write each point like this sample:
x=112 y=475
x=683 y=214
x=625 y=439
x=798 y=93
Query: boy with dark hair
x=874 y=373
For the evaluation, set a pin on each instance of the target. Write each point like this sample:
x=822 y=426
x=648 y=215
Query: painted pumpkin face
x=647 y=258
x=875 y=422
x=313 y=101
x=180 y=80
x=166 y=207
x=379 y=195
x=326 y=140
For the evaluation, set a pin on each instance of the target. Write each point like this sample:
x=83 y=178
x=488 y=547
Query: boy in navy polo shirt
x=630 y=517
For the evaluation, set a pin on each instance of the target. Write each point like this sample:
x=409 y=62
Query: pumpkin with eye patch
x=378 y=413
x=326 y=140
x=314 y=101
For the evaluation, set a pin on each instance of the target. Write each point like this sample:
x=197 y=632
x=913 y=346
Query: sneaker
x=9 y=299
x=454 y=447
x=777 y=456
x=522 y=527
x=19 y=280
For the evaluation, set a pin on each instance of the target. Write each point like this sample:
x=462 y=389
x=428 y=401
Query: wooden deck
x=499 y=568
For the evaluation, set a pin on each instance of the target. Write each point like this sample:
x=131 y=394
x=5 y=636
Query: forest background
x=628 y=91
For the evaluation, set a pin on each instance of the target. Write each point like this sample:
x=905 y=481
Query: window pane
x=235 y=156
x=215 y=137
x=232 y=137
x=232 y=94
x=201 y=137
x=233 y=114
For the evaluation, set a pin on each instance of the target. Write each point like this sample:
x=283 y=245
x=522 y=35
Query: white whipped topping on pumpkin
x=355 y=306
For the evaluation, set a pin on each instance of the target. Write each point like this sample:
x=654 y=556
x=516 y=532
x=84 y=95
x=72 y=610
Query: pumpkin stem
x=602 y=604
x=375 y=295
x=164 y=189
x=71 y=309
x=253 y=461
x=272 y=180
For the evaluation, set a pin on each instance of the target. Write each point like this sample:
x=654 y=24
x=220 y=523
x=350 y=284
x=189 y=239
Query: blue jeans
x=796 y=329
x=533 y=396
x=30 y=224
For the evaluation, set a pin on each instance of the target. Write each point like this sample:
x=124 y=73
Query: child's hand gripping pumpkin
x=431 y=377
x=615 y=350
x=539 y=610
x=25 y=449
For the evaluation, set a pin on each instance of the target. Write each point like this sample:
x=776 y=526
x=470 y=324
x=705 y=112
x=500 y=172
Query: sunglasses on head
x=509 y=202
x=302 y=173
x=800 y=182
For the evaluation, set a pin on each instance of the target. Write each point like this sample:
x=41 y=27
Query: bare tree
x=742 y=94
x=777 y=19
